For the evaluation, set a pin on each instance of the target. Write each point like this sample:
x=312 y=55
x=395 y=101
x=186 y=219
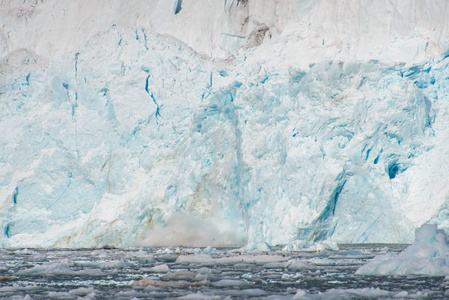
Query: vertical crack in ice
x=145 y=39
x=178 y=6
x=7 y=230
x=138 y=38
x=108 y=177
x=72 y=96
x=76 y=64
x=69 y=175
x=73 y=102
x=15 y=195
x=147 y=89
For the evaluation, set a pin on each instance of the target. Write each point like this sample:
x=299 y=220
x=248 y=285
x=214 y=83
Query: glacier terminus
x=222 y=122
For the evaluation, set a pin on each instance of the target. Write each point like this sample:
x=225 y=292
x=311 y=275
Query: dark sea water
x=159 y=273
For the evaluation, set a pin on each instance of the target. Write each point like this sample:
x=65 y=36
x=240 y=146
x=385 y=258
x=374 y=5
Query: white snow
x=254 y=123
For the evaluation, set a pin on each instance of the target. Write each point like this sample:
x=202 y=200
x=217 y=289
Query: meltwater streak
x=276 y=123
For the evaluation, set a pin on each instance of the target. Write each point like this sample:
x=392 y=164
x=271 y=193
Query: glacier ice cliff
x=222 y=122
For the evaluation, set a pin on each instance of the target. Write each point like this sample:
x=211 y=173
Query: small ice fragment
x=195 y=296
x=253 y=292
x=114 y=264
x=160 y=269
x=196 y=258
x=402 y=294
x=62 y=267
x=177 y=283
x=180 y=275
x=274 y=265
x=228 y=282
x=81 y=291
x=298 y=264
x=299 y=293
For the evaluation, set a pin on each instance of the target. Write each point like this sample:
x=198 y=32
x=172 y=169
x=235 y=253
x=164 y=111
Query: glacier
x=222 y=123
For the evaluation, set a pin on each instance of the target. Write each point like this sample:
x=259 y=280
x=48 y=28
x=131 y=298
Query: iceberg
x=428 y=255
x=262 y=123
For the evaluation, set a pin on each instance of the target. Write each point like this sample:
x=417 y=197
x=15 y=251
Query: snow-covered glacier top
x=222 y=122
x=293 y=32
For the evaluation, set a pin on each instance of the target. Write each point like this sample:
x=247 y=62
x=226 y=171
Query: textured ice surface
x=428 y=255
x=259 y=123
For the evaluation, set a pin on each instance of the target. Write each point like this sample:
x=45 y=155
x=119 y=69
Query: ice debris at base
x=428 y=255
x=317 y=275
x=253 y=259
x=62 y=267
x=256 y=123
x=361 y=293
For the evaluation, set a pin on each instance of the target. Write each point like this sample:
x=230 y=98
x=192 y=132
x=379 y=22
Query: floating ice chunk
x=210 y=249
x=274 y=265
x=299 y=293
x=143 y=257
x=402 y=294
x=180 y=275
x=167 y=257
x=197 y=258
x=345 y=294
x=428 y=255
x=298 y=264
x=294 y=246
x=228 y=282
x=325 y=245
x=178 y=283
x=255 y=259
x=59 y=295
x=62 y=267
x=133 y=294
x=115 y=264
x=349 y=254
x=247 y=258
x=160 y=269
x=204 y=270
x=198 y=295
x=318 y=246
x=90 y=272
x=247 y=293
x=19 y=297
x=82 y=291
